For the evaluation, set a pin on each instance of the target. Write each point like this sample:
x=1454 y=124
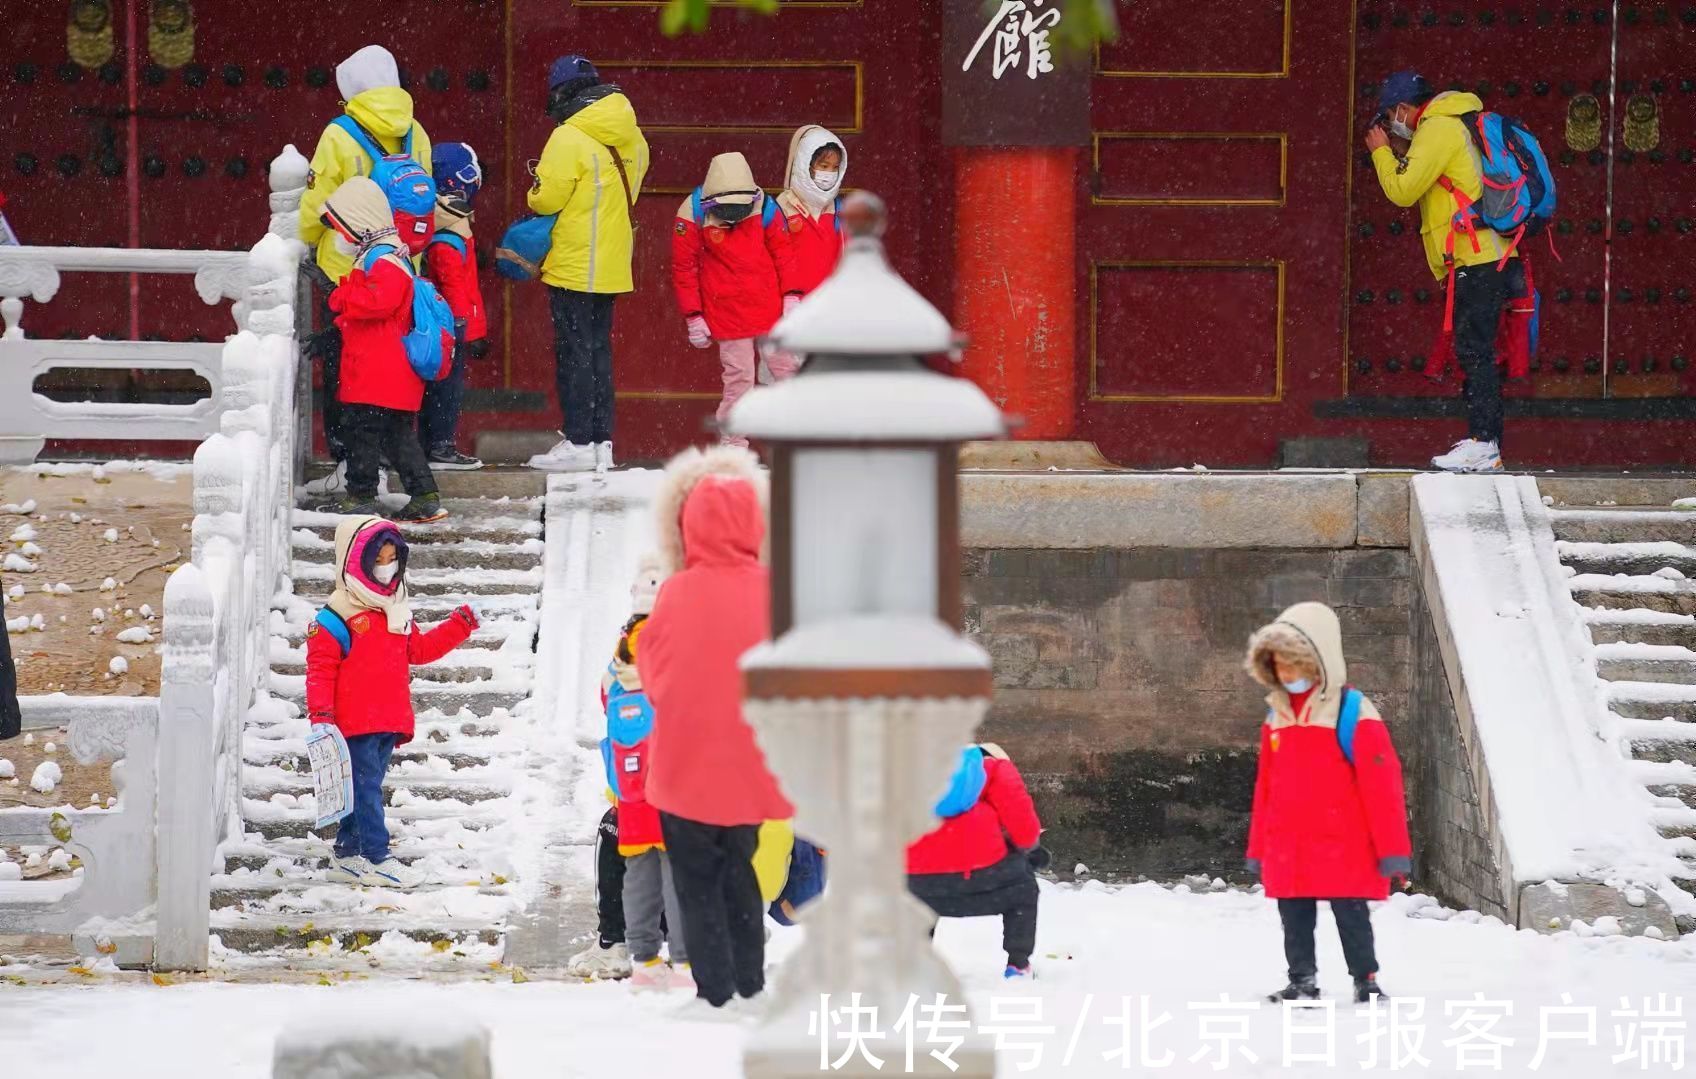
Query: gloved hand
x=467 y=615
x=1039 y=857
x=477 y=349
x=1399 y=870
x=1253 y=866
x=790 y=303
x=699 y=335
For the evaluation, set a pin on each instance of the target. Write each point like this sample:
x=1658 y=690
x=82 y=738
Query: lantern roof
x=864 y=308
x=916 y=405
x=870 y=642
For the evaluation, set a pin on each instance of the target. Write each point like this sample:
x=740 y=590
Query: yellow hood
x=1452 y=103
x=610 y=121
x=385 y=111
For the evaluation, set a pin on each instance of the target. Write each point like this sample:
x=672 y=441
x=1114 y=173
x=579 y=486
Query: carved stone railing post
x=185 y=835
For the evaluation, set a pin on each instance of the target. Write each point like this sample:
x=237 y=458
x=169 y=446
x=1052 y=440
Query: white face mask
x=1300 y=685
x=827 y=181
x=1400 y=129
x=385 y=573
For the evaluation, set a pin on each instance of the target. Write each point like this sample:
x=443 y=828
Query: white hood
x=368 y=69
x=803 y=145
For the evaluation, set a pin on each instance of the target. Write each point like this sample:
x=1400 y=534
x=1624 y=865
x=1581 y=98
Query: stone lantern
x=869 y=690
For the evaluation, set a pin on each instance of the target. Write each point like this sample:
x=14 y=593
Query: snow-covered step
x=480 y=786
x=1633 y=662
x=1653 y=701
x=1649 y=592
x=1624 y=526
x=500 y=521
x=455 y=668
x=246 y=932
x=310 y=547
x=315 y=580
x=292 y=758
x=1633 y=558
x=263 y=893
x=477 y=697
x=1640 y=627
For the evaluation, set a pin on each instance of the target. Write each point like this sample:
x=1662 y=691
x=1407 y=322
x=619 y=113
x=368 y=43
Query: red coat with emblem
x=980 y=836
x=728 y=274
x=368 y=690
x=374 y=312
x=1323 y=827
x=815 y=246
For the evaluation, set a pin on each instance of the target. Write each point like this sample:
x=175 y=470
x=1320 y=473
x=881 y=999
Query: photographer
x=1479 y=265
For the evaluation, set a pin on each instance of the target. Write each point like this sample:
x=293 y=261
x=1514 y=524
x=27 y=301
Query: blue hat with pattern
x=456 y=169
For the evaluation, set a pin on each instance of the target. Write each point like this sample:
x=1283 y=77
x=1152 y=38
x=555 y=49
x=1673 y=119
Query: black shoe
x=449 y=459
x=1298 y=989
x=422 y=510
x=1366 y=988
x=348 y=506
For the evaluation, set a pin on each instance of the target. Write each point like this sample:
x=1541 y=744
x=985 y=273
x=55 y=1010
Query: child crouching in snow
x=1330 y=819
x=359 y=654
x=982 y=859
x=651 y=912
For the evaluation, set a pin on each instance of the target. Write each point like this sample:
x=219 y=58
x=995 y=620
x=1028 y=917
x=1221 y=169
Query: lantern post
x=869 y=689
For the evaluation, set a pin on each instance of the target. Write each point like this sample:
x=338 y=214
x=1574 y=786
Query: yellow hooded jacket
x=1441 y=147
x=593 y=239
x=384 y=111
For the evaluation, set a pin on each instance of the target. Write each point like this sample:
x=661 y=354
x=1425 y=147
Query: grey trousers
x=649 y=892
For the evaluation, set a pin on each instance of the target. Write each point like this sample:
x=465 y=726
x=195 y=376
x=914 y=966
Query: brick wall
x=1121 y=694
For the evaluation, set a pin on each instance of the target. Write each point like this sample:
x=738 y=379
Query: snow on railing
x=143 y=896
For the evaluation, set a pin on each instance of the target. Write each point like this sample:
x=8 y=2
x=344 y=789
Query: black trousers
x=609 y=880
x=1007 y=888
x=723 y=913
x=583 y=363
x=10 y=721
x=1480 y=294
x=327 y=346
x=1354 y=926
x=438 y=417
x=371 y=431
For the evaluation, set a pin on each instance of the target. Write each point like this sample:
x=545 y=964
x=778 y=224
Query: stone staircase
x=453 y=794
x=1633 y=574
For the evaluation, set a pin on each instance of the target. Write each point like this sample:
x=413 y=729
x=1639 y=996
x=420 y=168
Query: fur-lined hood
x=1310 y=629
x=725 y=465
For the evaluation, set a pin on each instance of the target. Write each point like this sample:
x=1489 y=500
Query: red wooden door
x=867 y=69
x=1209 y=237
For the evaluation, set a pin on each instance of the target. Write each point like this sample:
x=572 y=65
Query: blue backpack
x=1347 y=720
x=429 y=346
x=768 y=212
x=411 y=190
x=966 y=786
x=525 y=247
x=804 y=884
x=1519 y=187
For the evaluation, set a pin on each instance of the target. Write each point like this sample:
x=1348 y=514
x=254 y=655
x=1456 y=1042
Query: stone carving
x=20 y=277
x=104 y=736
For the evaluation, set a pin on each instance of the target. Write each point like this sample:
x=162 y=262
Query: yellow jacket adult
x=578 y=179
x=369 y=82
x=1441 y=147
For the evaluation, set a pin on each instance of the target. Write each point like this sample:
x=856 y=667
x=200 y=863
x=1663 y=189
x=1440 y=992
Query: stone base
x=371 y=1044
x=20 y=449
x=1034 y=457
x=133 y=952
x=1323 y=453
x=1552 y=906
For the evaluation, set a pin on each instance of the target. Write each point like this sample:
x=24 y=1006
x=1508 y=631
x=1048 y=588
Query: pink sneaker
x=682 y=978
x=652 y=976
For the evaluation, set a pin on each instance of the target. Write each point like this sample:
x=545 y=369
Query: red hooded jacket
x=374 y=311
x=369 y=689
x=979 y=837
x=704 y=763
x=729 y=275
x=814 y=248
x=455 y=275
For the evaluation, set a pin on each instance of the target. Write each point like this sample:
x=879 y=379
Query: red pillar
x=1015 y=280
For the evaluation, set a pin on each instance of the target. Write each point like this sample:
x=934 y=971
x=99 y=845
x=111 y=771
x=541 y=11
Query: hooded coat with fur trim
x=705 y=763
x=368 y=689
x=1321 y=826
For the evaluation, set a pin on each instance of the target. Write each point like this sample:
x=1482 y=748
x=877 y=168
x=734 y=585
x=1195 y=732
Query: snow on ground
x=1100 y=950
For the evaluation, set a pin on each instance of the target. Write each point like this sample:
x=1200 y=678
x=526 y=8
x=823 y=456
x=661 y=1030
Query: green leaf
x=60 y=827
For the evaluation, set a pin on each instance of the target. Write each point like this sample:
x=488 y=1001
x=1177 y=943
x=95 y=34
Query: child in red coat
x=726 y=249
x=982 y=859
x=1330 y=818
x=379 y=391
x=818 y=162
x=359 y=654
x=450 y=260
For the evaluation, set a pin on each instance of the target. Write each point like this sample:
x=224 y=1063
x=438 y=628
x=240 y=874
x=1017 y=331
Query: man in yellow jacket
x=369 y=82
x=1441 y=147
x=590 y=175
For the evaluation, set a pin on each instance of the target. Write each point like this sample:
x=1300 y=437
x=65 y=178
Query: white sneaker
x=1470 y=455
x=350 y=870
x=605 y=964
x=390 y=873
x=566 y=456
x=603 y=457
x=333 y=483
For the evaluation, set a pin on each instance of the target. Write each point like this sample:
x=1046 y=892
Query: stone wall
x=1121 y=693
x=1452 y=854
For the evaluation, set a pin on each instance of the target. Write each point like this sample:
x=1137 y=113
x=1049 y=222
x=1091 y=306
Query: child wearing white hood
x=818 y=162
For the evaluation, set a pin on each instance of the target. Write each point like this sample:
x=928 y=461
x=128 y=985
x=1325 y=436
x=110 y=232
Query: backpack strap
x=376 y=253
x=695 y=209
x=768 y=212
x=836 y=213
x=364 y=138
x=335 y=626
x=1347 y=719
x=452 y=239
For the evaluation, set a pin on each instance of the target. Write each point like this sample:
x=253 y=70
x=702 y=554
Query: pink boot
x=682 y=978
x=652 y=976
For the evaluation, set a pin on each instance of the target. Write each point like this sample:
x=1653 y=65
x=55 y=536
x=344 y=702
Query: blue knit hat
x=573 y=72
x=457 y=170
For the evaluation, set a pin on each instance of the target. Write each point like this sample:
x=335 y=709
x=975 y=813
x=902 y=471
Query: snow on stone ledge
x=869 y=642
x=883 y=405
